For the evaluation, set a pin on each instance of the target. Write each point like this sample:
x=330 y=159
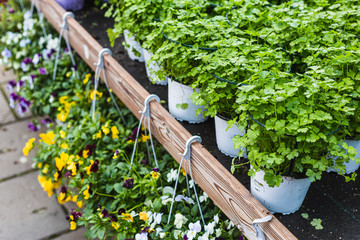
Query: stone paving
x=26 y=212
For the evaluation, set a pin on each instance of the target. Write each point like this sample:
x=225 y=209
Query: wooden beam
x=222 y=187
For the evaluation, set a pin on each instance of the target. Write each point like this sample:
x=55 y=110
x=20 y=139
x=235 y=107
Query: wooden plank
x=221 y=186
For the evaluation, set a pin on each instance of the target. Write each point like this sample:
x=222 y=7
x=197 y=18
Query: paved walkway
x=26 y=212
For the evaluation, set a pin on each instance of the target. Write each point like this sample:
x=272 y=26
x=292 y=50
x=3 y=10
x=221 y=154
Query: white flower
x=157 y=217
x=179 y=198
x=210 y=228
x=162 y=235
x=203 y=197
x=172 y=175
x=36 y=59
x=179 y=220
x=24 y=42
x=168 y=189
x=230 y=224
x=194 y=228
x=141 y=236
x=165 y=199
x=52 y=43
x=27 y=14
x=28 y=24
x=191 y=183
x=158 y=230
x=204 y=237
x=177 y=234
x=218 y=232
x=42 y=41
x=216 y=219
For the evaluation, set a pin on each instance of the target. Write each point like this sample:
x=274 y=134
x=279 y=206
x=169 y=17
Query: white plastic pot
x=133 y=46
x=285 y=199
x=180 y=105
x=224 y=137
x=151 y=69
x=351 y=166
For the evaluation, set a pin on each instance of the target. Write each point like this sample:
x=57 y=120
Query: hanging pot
x=151 y=69
x=351 y=166
x=285 y=199
x=180 y=105
x=71 y=5
x=224 y=136
x=134 y=46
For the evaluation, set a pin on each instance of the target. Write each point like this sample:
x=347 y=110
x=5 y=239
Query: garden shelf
x=212 y=176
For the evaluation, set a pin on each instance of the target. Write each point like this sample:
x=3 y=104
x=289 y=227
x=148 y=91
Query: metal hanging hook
x=100 y=62
x=64 y=18
x=259 y=233
x=146 y=111
x=187 y=153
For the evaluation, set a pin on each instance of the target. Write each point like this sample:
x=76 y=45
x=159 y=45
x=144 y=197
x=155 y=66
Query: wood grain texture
x=221 y=186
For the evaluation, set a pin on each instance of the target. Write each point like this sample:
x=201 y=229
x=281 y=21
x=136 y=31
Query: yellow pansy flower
x=87 y=78
x=46 y=184
x=56 y=176
x=98 y=135
x=45 y=169
x=98 y=95
x=62 y=99
x=155 y=175
x=144 y=138
x=62 y=134
x=143 y=216
x=72 y=225
x=115 y=225
x=86 y=192
x=85 y=153
x=87 y=169
x=64 y=146
x=183 y=172
x=115 y=132
x=62 y=116
x=105 y=129
x=127 y=216
x=48 y=138
x=79 y=204
x=61 y=162
x=72 y=167
x=28 y=146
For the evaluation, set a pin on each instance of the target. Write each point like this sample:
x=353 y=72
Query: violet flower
x=42 y=71
x=105 y=212
x=33 y=127
x=11 y=10
x=145 y=229
x=133 y=135
x=156 y=169
x=19 y=84
x=113 y=218
x=185 y=237
x=11 y=85
x=68 y=174
x=95 y=166
x=144 y=161
x=128 y=183
x=25 y=65
x=46 y=122
x=75 y=214
x=13 y=99
x=121 y=211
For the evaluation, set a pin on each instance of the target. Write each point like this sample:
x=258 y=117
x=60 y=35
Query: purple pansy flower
x=33 y=127
x=42 y=71
x=105 y=212
x=121 y=211
x=144 y=161
x=95 y=166
x=19 y=84
x=156 y=169
x=113 y=218
x=128 y=183
x=133 y=135
x=11 y=10
x=68 y=174
x=13 y=98
x=185 y=237
x=11 y=85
